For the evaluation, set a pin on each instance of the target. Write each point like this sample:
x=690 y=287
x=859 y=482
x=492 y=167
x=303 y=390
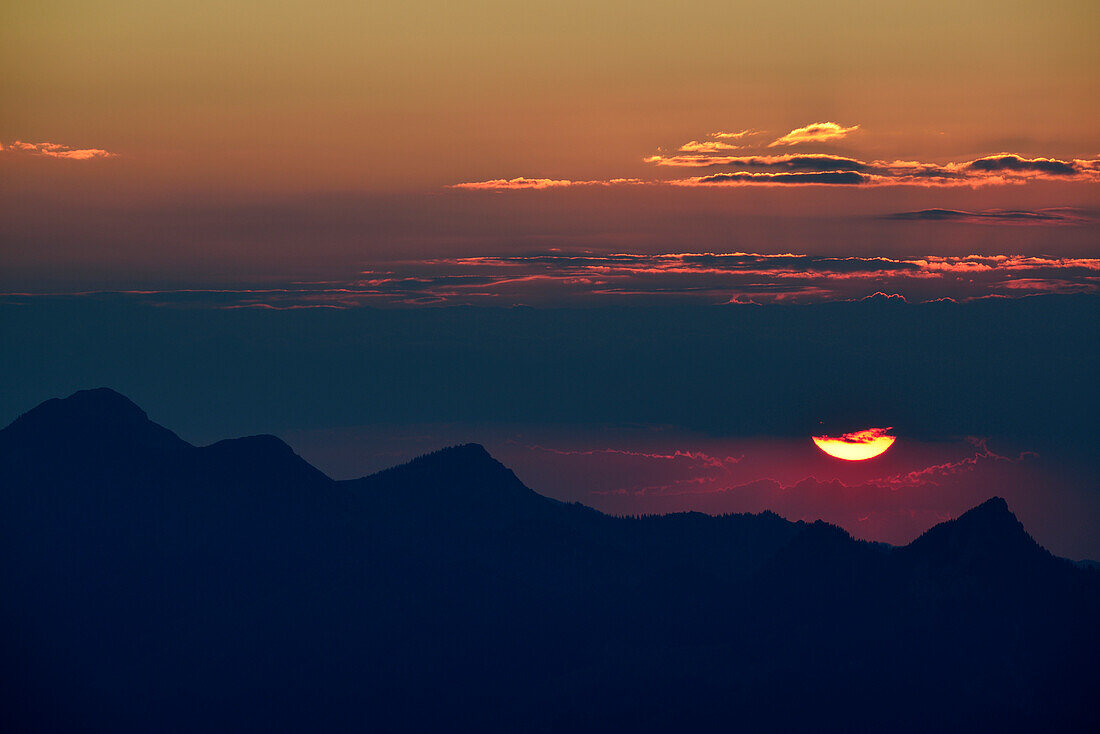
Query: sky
x=217 y=142
x=804 y=190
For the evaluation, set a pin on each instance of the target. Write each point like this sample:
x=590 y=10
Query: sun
x=857 y=446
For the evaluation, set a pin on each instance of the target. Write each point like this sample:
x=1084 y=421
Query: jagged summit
x=988 y=531
x=991 y=518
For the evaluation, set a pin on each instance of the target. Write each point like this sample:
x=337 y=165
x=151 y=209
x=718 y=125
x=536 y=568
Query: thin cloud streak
x=707 y=146
x=501 y=184
x=1017 y=217
x=803 y=162
x=55 y=150
x=737 y=135
x=586 y=278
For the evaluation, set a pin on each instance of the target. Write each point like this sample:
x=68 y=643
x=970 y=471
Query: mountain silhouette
x=149 y=584
x=987 y=532
x=88 y=424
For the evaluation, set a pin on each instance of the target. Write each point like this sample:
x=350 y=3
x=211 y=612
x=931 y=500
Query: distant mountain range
x=150 y=585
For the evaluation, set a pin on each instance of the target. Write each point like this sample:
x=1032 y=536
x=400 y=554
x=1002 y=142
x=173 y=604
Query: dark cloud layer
x=823 y=177
x=997 y=216
x=1008 y=162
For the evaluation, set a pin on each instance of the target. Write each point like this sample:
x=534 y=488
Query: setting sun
x=857 y=446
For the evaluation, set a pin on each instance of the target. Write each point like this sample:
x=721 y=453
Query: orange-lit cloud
x=707 y=146
x=502 y=184
x=736 y=135
x=818 y=132
x=771 y=170
x=827 y=169
x=788 y=162
x=56 y=150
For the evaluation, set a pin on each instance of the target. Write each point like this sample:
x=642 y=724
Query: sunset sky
x=252 y=217
x=249 y=141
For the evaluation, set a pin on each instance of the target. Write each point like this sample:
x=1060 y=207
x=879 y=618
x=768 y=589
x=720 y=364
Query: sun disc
x=857 y=446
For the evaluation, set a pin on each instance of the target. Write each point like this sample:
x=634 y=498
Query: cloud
x=707 y=146
x=817 y=132
x=56 y=150
x=981 y=172
x=586 y=278
x=776 y=179
x=827 y=169
x=779 y=163
x=691 y=458
x=996 y=216
x=691 y=161
x=737 y=135
x=934 y=475
x=718 y=145
x=1016 y=164
x=501 y=184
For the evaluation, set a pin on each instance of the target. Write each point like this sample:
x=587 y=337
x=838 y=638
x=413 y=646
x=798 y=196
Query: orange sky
x=395 y=95
x=128 y=105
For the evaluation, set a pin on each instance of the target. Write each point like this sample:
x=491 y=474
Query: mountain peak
x=462 y=457
x=466 y=474
x=992 y=506
x=262 y=457
x=992 y=517
x=989 y=530
x=468 y=459
x=465 y=451
x=99 y=403
x=95 y=417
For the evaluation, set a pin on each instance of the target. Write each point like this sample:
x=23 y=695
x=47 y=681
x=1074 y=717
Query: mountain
x=148 y=584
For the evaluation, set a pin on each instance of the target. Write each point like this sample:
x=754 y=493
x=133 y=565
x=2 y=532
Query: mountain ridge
x=99 y=410
x=234 y=586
